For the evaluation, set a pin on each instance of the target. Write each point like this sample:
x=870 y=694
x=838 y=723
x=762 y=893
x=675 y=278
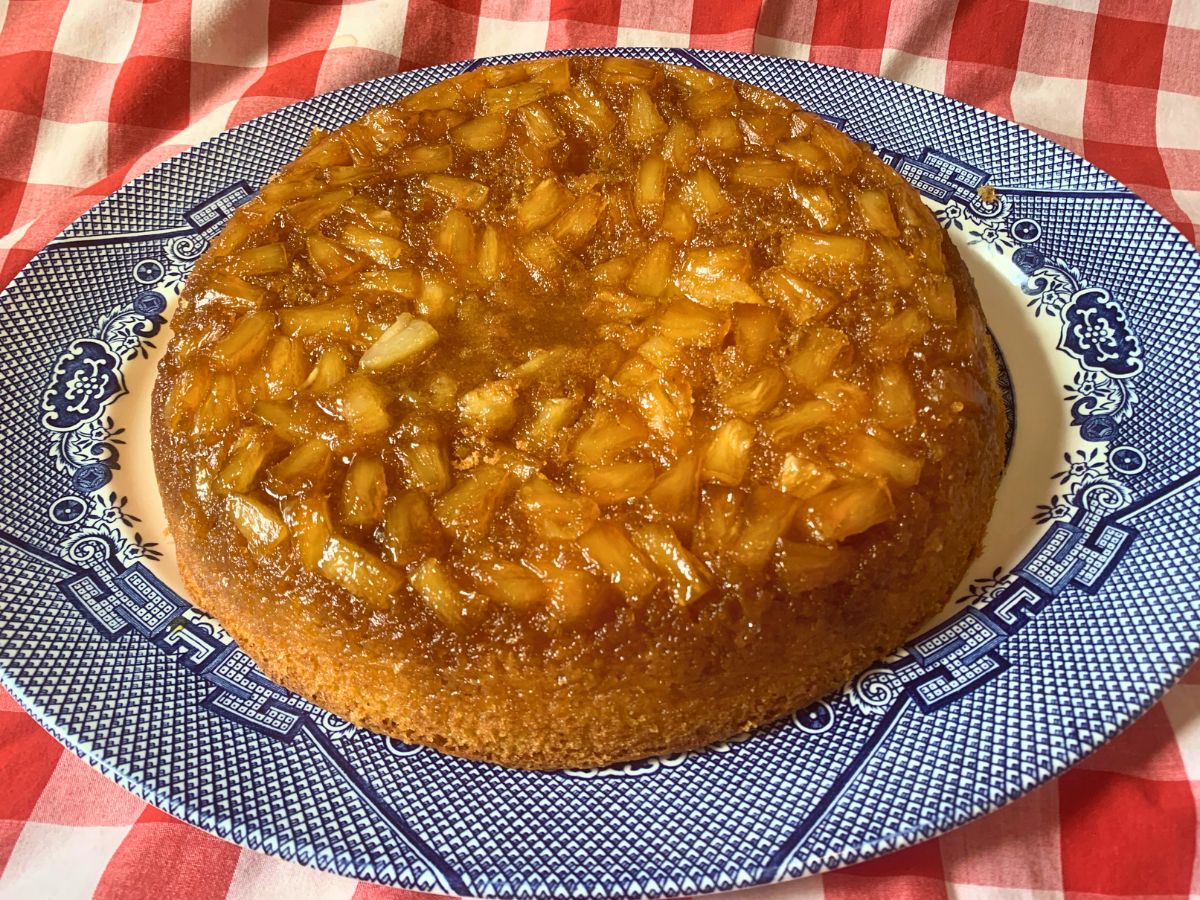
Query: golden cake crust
x=632 y=675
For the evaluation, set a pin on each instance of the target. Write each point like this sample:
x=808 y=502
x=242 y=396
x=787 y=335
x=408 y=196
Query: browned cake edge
x=788 y=670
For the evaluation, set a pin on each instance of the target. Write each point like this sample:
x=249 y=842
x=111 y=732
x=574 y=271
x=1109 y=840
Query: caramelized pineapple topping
x=559 y=339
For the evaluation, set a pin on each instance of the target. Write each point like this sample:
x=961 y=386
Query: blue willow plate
x=1081 y=611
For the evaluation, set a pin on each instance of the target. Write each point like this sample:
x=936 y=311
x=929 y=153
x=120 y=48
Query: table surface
x=95 y=92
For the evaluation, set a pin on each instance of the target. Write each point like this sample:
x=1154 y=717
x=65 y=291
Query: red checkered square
x=25 y=74
x=1126 y=836
x=1057 y=42
x=26 y=764
x=915 y=873
x=1127 y=52
x=435 y=32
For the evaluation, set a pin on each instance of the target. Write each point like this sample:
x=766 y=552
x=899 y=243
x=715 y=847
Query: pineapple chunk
x=467 y=508
x=260 y=524
x=679 y=146
x=649 y=191
x=802 y=478
x=814 y=254
x=443 y=95
x=677 y=222
x=286 y=367
x=814 y=361
x=552 y=416
x=895 y=400
x=437 y=299
x=692 y=323
x=706 y=199
x=267 y=259
x=809 y=567
x=481 y=134
x=574 y=226
x=382 y=248
x=675 y=494
x=556 y=515
x=644 y=123
x=615 y=482
x=332 y=366
x=490 y=256
x=838 y=147
x=454 y=238
x=332 y=261
x=587 y=110
x=514 y=96
x=295 y=422
x=897 y=264
x=426 y=465
x=872 y=456
x=653 y=270
x=940 y=300
x=245 y=342
x=607 y=434
x=542 y=255
x=462 y=192
x=715 y=101
x=727 y=451
x=576 y=596
x=188 y=393
x=688 y=578
x=219 y=407
x=310 y=526
x=404 y=283
x=555 y=73
x=510 y=583
x=716 y=276
x=541 y=126
x=628 y=71
x=609 y=547
x=364 y=491
x=769 y=516
x=786 y=426
x=404 y=340
x=230 y=287
x=364 y=405
x=456 y=608
x=755 y=394
x=760 y=172
x=720 y=521
x=801 y=300
x=755 y=332
x=491 y=408
x=306 y=466
x=309 y=213
x=851 y=509
x=820 y=206
x=250 y=452
x=896 y=338
x=720 y=133
x=319 y=320
x=876 y=209
x=423 y=159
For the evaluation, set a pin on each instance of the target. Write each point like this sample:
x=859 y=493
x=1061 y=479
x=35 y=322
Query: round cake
x=577 y=410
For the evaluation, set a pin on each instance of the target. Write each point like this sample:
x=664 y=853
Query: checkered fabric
x=95 y=92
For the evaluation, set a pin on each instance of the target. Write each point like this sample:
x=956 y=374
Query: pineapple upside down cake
x=577 y=410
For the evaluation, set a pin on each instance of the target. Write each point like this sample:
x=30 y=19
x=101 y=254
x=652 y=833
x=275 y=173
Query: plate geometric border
x=99 y=568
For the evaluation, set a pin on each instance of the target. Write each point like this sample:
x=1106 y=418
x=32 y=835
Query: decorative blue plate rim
x=1079 y=589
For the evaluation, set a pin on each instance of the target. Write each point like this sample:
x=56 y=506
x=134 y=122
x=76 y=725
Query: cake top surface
x=570 y=339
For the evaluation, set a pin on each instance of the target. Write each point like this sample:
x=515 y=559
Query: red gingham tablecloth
x=95 y=92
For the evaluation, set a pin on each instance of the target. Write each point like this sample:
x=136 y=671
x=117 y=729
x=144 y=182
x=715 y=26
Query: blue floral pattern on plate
x=1049 y=651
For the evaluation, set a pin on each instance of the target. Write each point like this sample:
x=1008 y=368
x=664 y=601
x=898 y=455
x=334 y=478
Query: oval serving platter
x=1081 y=611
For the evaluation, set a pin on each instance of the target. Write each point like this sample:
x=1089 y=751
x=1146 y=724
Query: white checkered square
x=375 y=24
x=99 y=30
x=59 y=860
x=1049 y=103
x=74 y=154
x=922 y=71
x=228 y=35
x=1178 y=121
x=496 y=37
